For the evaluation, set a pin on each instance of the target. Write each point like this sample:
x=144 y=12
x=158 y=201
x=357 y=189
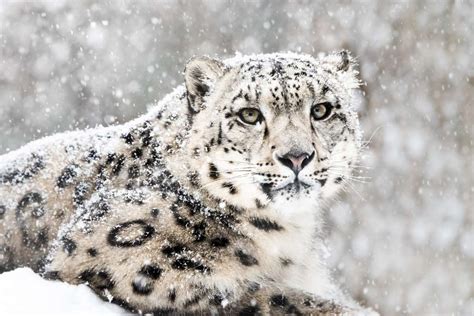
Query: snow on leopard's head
x=273 y=129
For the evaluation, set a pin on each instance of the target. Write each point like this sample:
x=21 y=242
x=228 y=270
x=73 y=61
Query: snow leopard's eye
x=321 y=111
x=250 y=115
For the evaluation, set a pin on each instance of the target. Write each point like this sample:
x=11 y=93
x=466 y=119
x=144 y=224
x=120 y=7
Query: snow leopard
x=210 y=203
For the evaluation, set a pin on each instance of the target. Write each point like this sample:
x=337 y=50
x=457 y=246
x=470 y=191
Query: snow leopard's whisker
x=349 y=185
x=345 y=164
x=357 y=180
x=235 y=170
x=225 y=180
x=236 y=182
x=341 y=172
x=365 y=143
x=241 y=181
x=336 y=160
x=236 y=161
x=345 y=189
x=345 y=168
x=357 y=192
x=356 y=170
x=231 y=168
x=237 y=179
x=351 y=177
x=362 y=181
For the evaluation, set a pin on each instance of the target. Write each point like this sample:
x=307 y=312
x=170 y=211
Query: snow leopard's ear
x=200 y=74
x=343 y=65
x=340 y=61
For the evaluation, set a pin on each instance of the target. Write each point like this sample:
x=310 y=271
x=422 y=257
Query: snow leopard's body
x=189 y=209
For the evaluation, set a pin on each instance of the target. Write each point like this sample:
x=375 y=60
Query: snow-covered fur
x=209 y=203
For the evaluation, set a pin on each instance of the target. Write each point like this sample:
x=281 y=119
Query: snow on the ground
x=22 y=292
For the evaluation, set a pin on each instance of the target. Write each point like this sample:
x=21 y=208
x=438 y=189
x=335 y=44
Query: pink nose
x=296 y=161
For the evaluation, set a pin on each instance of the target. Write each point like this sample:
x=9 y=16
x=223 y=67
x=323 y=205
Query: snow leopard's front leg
x=145 y=259
x=275 y=299
x=147 y=288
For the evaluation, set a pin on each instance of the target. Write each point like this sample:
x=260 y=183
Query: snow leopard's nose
x=296 y=161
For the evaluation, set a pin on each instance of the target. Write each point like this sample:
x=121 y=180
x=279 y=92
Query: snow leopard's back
x=47 y=182
x=37 y=194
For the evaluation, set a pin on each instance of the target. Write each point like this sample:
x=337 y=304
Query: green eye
x=321 y=111
x=250 y=115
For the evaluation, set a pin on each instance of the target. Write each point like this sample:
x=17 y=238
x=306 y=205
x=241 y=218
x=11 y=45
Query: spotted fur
x=190 y=208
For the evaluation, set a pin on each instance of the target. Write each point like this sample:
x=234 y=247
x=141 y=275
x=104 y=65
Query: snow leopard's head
x=277 y=128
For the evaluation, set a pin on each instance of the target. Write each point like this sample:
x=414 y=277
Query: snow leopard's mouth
x=294 y=187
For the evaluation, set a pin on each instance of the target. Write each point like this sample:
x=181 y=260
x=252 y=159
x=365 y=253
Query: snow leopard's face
x=275 y=129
